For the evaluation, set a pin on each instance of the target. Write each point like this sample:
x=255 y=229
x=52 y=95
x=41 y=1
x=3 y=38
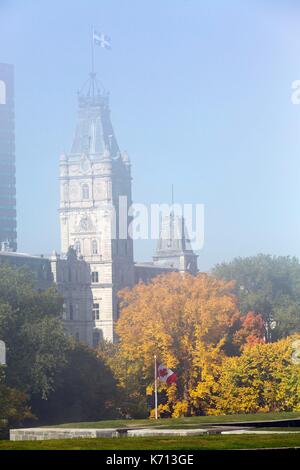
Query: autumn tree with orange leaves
x=191 y=324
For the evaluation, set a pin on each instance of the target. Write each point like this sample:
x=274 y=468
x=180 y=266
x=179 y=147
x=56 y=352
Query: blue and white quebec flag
x=102 y=40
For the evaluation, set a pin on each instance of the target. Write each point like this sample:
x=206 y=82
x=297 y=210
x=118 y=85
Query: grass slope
x=193 y=422
x=214 y=442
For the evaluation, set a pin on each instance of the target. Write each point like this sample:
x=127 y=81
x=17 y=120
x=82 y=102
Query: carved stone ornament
x=85 y=164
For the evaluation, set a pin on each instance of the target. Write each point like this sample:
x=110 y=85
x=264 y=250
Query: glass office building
x=8 y=224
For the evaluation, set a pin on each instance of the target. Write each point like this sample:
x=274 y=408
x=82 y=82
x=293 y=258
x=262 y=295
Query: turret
x=174 y=249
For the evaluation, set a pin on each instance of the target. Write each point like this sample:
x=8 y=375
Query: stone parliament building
x=95 y=261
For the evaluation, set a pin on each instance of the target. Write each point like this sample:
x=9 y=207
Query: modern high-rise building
x=8 y=223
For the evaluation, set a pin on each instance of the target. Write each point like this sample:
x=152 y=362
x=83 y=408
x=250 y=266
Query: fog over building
x=94 y=177
x=96 y=259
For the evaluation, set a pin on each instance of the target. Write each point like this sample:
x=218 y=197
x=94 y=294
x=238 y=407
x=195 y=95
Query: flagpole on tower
x=93 y=63
x=155 y=386
x=102 y=40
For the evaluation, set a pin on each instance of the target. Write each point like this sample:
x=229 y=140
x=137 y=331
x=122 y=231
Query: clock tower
x=94 y=177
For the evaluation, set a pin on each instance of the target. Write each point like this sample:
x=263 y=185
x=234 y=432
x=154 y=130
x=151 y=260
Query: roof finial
x=107 y=154
x=172 y=203
x=125 y=157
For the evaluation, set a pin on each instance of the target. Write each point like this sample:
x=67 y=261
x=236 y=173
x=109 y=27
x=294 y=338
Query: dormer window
x=77 y=247
x=94 y=247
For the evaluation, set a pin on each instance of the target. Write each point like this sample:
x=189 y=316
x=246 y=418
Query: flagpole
x=155 y=386
x=93 y=63
x=93 y=52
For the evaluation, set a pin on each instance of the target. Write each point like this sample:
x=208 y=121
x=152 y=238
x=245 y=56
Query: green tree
x=31 y=326
x=62 y=380
x=131 y=400
x=269 y=286
x=13 y=404
x=85 y=390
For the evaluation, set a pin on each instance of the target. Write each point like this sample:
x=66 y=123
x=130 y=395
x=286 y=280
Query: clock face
x=84 y=223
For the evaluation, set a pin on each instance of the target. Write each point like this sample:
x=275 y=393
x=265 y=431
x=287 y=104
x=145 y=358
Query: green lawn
x=282 y=429
x=214 y=442
x=193 y=422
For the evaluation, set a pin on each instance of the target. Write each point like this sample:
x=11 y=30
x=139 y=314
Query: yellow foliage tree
x=188 y=322
x=263 y=379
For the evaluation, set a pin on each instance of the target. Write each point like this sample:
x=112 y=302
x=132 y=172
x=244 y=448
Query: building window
x=118 y=310
x=94 y=247
x=95 y=276
x=85 y=191
x=77 y=337
x=66 y=192
x=97 y=335
x=64 y=312
x=71 y=312
x=2 y=92
x=77 y=247
x=96 y=312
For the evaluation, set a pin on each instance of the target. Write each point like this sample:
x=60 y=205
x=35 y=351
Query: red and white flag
x=166 y=375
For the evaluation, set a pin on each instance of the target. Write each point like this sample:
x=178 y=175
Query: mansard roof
x=94 y=132
x=173 y=236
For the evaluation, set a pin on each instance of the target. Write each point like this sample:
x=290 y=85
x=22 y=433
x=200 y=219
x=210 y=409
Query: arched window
x=66 y=192
x=85 y=191
x=94 y=247
x=2 y=92
x=77 y=247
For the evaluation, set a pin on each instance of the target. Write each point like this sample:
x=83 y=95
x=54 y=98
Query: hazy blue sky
x=200 y=97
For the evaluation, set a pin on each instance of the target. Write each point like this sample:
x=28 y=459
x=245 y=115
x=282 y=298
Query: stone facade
x=73 y=280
